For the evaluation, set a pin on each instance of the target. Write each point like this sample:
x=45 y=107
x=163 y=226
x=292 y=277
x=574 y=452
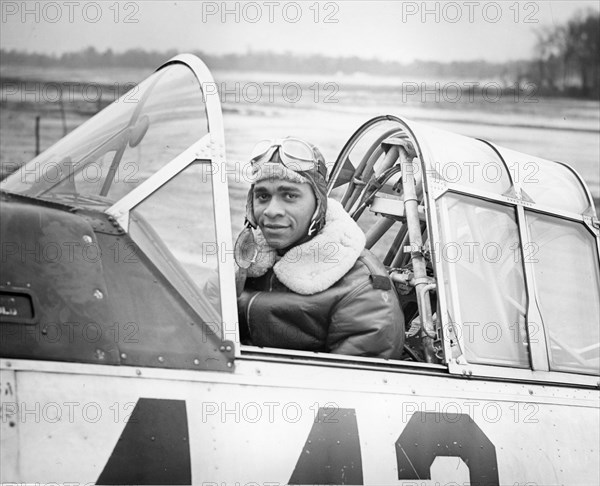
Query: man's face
x=283 y=210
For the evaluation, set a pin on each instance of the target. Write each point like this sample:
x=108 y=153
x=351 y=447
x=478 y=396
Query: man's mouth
x=274 y=227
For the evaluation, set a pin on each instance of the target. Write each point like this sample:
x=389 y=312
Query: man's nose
x=274 y=208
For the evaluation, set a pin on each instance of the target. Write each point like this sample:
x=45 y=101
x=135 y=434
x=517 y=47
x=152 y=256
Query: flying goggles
x=294 y=154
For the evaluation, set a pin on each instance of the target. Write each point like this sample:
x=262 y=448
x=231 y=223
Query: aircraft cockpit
x=494 y=254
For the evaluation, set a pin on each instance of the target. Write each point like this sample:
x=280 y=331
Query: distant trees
x=507 y=72
x=89 y=58
x=566 y=62
x=567 y=56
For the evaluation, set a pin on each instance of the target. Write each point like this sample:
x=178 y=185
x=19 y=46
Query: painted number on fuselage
x=431 y=434
x=154 y=448
x=331 y=454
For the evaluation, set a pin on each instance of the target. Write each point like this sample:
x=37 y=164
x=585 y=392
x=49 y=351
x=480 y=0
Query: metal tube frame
x=419 y=265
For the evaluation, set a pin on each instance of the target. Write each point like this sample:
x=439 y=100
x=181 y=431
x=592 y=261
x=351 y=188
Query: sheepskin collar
x=316 y=265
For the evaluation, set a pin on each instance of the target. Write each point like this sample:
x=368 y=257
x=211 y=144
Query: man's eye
x=262 y=197
x=291 y=195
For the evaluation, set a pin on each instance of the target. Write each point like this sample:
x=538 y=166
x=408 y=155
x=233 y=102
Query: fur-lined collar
x=316 y=265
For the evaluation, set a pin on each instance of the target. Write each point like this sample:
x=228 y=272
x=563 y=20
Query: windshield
x=479 y=242
x=122 y=146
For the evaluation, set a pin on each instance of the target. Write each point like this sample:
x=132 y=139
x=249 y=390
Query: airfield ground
x=557 y=129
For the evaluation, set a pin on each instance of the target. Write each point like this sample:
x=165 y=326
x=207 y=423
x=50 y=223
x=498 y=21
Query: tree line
x=90 y=58
x=565 y=62
x=567 y=57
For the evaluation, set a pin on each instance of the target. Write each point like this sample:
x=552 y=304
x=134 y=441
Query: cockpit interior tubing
x=362 y=179
x=415 y=238
x=361 y=174
x=376 y=231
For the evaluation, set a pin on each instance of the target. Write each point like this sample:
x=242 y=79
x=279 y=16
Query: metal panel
x=9 y=422
x=267 y=410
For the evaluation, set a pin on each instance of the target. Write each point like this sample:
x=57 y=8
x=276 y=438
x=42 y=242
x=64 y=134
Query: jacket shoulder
x=371 y=267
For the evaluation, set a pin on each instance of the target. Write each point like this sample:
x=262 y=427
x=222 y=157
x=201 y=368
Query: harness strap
x=381 y=282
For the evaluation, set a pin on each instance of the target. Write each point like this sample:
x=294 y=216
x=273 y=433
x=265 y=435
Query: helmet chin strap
x=248 y=224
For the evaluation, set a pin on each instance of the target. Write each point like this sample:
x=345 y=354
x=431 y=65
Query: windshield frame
x=209 y=148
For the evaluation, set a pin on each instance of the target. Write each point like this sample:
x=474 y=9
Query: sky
x=402 y=31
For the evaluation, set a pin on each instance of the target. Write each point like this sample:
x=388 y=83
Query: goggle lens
x=260 y=149
x=295 y=154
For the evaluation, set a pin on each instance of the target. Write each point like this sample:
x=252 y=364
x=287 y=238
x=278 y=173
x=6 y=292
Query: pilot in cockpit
x=306 y=281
